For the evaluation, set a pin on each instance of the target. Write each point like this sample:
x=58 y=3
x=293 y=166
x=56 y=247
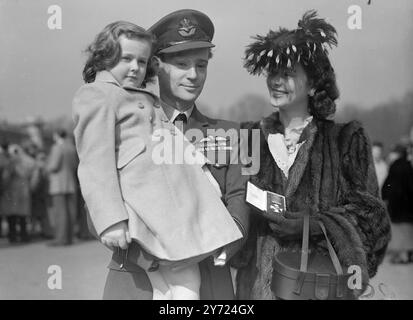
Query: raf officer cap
x=183 y=30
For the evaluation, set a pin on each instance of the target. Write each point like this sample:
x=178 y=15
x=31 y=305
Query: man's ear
x=155 y=62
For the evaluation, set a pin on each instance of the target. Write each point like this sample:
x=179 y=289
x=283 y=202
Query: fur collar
x=272 y=125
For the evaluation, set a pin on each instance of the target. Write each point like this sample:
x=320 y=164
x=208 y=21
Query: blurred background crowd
x=39 y=193
x=395 y=178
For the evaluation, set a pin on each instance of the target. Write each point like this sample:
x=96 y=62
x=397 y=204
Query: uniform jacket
x=168 y=206
x=333 y=176
x=62 y=166
x=216 y=282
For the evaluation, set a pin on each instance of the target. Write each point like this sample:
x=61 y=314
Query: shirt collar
x=172 y=113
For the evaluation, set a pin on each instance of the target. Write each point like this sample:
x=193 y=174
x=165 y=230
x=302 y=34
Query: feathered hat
x=282 y=49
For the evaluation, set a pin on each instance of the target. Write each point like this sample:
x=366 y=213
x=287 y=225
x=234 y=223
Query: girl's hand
x=116 y=236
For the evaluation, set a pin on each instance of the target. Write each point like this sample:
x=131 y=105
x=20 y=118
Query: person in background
x=39 y=191
x=4 y=166
x=397 y=152
x=398 y=193
x=382 y=169
x=40 y=197
x=61 y=168
x=16 y=198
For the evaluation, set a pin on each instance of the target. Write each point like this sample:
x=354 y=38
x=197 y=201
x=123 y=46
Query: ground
x=27 y=271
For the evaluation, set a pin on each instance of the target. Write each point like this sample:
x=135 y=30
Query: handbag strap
x=304 y=247
x=331 y=250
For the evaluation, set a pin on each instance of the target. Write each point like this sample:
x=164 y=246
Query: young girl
x=171 y=210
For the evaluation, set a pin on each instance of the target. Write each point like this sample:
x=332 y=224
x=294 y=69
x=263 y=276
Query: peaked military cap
x=183 y=30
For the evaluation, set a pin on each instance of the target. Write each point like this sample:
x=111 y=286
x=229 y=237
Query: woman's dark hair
x=322 y=78
x=105 y=51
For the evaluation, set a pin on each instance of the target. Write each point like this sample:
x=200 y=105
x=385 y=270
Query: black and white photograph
x=206 y=150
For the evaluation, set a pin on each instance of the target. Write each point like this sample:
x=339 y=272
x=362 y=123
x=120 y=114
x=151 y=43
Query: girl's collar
x=106 y=76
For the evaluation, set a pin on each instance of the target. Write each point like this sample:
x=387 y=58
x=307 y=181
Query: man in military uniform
x=182 y=53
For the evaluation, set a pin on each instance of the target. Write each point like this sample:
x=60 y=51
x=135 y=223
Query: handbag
x=311 y=276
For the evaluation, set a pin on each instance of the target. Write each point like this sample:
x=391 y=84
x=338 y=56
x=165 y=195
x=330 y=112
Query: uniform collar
x=172 y=113
x=197 y=119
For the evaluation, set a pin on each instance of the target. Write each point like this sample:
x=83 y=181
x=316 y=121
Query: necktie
x=180 y=121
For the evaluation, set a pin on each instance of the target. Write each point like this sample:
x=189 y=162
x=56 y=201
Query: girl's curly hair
x=105 y=51
x=321 y=75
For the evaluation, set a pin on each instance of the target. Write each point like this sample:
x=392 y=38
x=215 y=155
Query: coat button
x=140 y=105
x=150 y=118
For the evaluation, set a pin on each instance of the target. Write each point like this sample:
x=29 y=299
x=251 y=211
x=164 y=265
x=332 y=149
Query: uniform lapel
x=198 y=121
x=162 y=116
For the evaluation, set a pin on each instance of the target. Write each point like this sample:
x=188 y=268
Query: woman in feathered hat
x=322 y=168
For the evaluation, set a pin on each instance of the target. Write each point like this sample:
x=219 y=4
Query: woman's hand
x=116 y=236
x=289 y=226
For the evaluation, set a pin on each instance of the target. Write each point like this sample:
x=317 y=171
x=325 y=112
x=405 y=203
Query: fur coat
x=333 y=176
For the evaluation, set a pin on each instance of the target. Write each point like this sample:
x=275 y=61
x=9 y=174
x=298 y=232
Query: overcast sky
x=41 y=68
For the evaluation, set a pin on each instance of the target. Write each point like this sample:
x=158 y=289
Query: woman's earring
x=311 y=92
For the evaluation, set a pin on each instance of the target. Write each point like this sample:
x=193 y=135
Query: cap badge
x=186 y=28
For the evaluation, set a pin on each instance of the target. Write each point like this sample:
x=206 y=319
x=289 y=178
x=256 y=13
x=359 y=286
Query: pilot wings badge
x=186 y=28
